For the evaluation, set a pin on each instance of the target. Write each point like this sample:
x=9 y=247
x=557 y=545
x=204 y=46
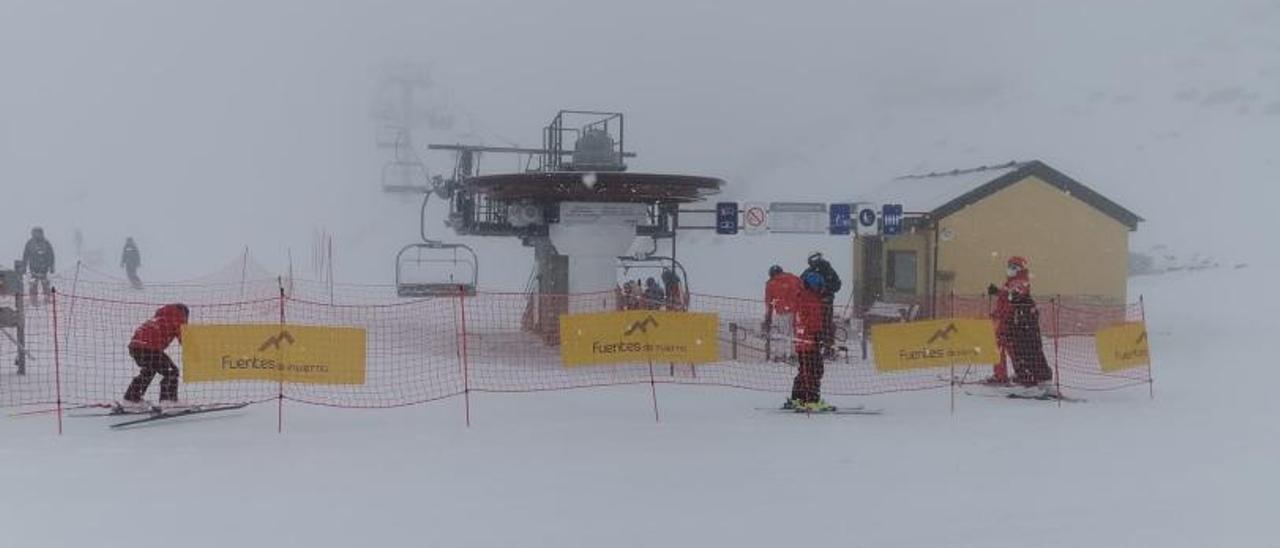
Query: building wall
x=919 y=241
x=1073 y=248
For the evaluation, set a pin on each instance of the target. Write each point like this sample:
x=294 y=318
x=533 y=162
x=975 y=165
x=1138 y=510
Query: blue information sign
x=841 y=219
x=891 y=216
x=727 y=218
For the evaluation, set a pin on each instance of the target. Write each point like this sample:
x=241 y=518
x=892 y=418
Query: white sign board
x=866 y=219
x=798 y=217
x=595 y=213
x=755 y=217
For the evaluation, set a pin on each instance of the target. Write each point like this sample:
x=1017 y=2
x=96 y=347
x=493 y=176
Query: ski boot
x=819 y=406
x=128 y=407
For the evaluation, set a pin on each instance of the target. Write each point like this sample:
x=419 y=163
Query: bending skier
x=147 y=350
x=806 y=390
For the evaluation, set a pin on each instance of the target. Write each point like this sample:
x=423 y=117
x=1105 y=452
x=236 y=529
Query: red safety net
x=426 y=349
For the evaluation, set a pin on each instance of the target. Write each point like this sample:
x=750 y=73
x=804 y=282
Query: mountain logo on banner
x=275 y=341
x=943 y=334
x=641 y=326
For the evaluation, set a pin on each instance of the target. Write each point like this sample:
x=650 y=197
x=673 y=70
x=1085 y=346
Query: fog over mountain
x=200 y=129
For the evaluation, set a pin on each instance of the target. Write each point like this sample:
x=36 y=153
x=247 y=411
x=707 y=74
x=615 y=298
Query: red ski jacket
x=159 y=331
x=780 y=293
x=809 y=321
x=1002 y=314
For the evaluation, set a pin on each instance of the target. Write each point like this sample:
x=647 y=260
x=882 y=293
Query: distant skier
x=806 y=390
x=780 y=294
x=131 y=259
x=147 y=350
x=37 y=258
x=676 y=297
x=830 y=286
x=653 y=294
x=1018 y=329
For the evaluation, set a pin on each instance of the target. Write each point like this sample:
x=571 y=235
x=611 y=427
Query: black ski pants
x=807 y=386
x=150 y=363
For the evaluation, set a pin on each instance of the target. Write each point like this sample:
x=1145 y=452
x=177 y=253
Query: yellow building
x=961 y=227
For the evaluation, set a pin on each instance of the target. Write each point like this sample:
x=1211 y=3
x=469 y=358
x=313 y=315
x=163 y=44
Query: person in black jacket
x=131 y=259
x=830 y=285
x=37 y=258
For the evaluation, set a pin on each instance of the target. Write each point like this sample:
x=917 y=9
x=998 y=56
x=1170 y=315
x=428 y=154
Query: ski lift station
x=575 y=203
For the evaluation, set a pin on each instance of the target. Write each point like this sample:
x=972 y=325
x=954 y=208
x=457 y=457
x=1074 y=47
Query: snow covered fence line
x=418 y=351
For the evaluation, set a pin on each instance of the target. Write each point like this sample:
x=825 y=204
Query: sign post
x=755 y=218
x=798 y=217
x=868 y=220
x=841 y=219
x=727 y=218
x=892 y=218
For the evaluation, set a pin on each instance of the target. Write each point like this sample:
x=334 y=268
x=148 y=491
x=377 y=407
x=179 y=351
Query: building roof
x=943 y=193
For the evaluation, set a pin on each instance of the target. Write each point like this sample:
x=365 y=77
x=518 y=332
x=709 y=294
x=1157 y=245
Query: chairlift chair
x=654 y=262
x=453 y=269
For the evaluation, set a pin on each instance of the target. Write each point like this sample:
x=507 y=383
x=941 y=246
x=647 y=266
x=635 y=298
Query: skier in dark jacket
x=653 y=294
x=830 y=286
x=676 y=298
x=37 y=258
x=131 y=259
x=147 y=350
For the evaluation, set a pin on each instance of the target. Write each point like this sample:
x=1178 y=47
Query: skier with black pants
x=131 y=259
x=147 y=350
x=37 y=258
x=806 y=389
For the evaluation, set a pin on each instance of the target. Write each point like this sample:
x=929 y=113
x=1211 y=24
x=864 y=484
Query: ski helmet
x=815 y=257
x=775 y=270
x=813 y=280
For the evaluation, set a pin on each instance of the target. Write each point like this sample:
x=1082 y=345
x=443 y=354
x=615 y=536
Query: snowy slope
x=1194 y=467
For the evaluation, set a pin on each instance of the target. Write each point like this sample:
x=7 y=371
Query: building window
x=902 y=271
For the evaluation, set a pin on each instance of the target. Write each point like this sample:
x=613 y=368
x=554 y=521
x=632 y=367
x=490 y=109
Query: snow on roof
x=930 y=191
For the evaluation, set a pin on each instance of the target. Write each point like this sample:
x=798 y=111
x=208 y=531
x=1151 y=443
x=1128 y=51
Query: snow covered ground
x=1195 y=467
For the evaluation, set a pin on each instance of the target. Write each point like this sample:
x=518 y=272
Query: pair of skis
x=1008 y=391
x=848 y=410
x=155 y=413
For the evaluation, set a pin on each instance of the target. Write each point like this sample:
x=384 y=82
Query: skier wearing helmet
x=780 y=298
x=1018 y=328
x=830 y=286
x=806 y=390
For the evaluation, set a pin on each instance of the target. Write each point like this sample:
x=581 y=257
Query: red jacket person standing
x=147 y=350
x=1018 y=327
x=806 y=389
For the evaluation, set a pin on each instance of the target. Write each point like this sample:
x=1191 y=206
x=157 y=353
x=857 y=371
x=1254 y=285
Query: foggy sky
x=200 y=128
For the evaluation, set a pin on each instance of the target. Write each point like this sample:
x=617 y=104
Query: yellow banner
x=1123 y=346
x=273 y=352
x=934 y=343
x=638 y=336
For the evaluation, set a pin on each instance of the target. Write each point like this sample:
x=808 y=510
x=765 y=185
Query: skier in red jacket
x=147 y=349
x=780 y=302
x=810 y=322
x=1018 y=328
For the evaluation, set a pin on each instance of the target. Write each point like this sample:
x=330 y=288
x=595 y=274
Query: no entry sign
x=755 y=217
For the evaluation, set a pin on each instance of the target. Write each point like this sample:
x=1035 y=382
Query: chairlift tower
x=575 y=203
x=396 y=117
